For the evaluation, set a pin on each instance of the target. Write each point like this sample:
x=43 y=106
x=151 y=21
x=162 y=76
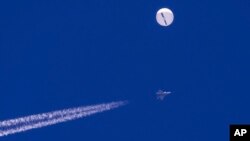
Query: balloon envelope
x=164 y=17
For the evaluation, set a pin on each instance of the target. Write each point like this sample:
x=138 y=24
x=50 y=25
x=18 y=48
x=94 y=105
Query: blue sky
x=59 y=54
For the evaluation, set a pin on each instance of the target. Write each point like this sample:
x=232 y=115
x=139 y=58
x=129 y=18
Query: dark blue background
x=57 y=54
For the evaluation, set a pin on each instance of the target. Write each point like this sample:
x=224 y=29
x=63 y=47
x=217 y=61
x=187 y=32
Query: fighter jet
x=160 y=94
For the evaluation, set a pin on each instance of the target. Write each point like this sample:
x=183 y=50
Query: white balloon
x=164 y=17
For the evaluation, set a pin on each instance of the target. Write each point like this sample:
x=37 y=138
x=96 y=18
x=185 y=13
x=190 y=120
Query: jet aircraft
x=160 y=94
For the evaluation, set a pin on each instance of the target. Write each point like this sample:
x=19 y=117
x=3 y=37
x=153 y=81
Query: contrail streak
x=22 y=124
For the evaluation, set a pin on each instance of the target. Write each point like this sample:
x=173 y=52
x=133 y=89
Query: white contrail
x=22 y=124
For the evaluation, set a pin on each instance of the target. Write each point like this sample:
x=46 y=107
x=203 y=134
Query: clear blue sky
x=57 y=54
